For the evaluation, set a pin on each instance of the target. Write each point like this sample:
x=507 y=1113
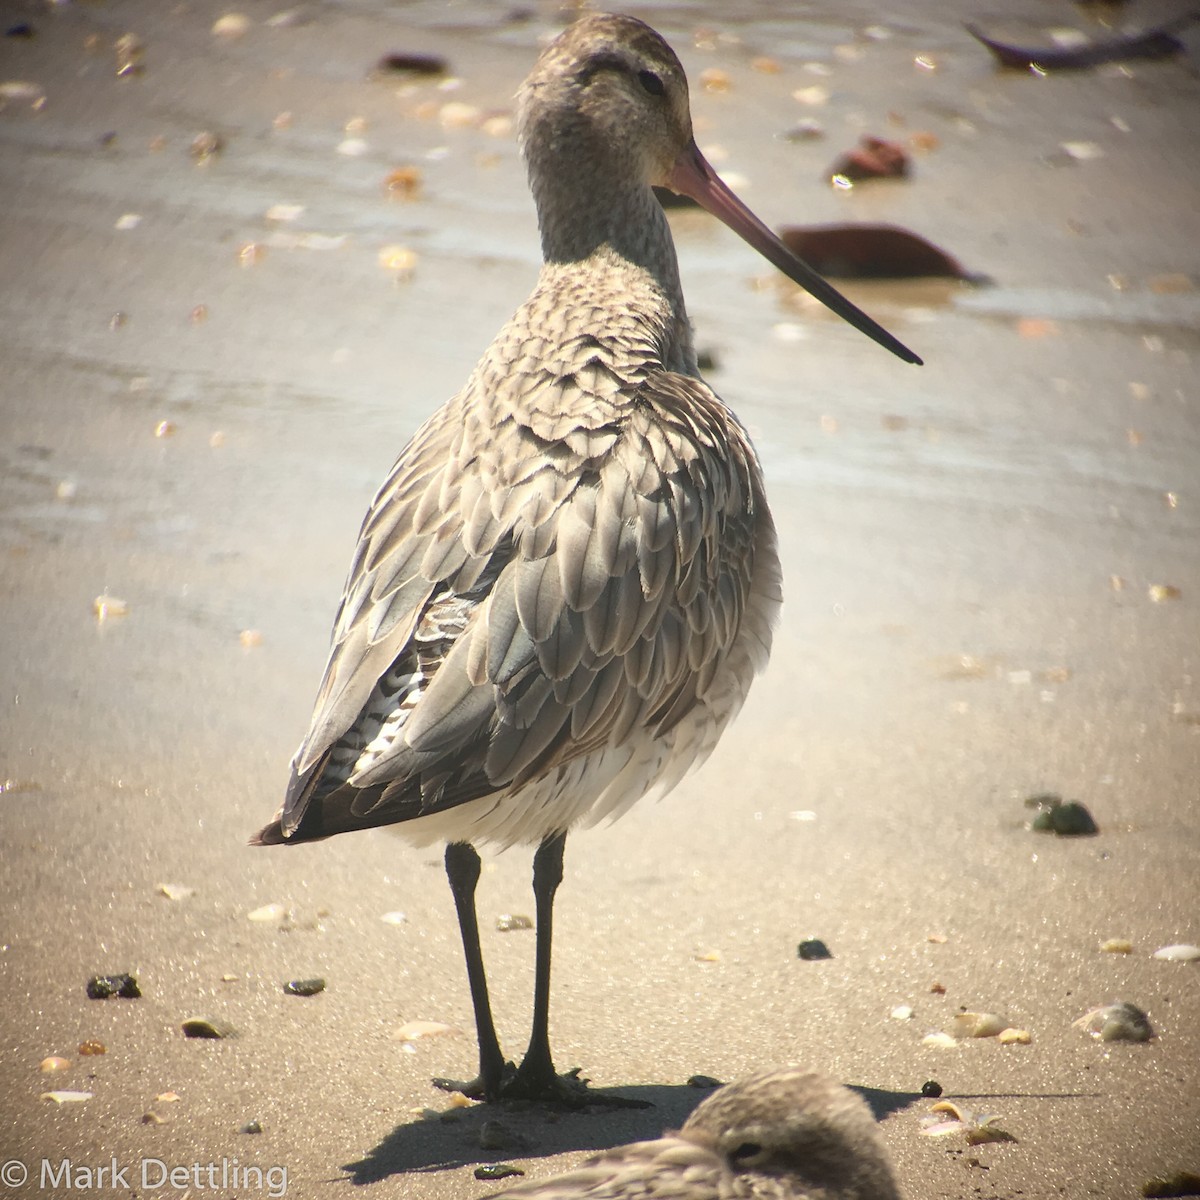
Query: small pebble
x=494 y=1171
x=54 y=1063
x=150 y=1117
x=495 y=1135
x=510 y=922
x=1116 y=946
x=250 y=638
x=931 y=1089
x=902 y=1012
x=703 y=1081
x=304 y=987
x=1069 y=819
x=101 y=987
x=812 y=950
x=251 y=1127
x=92 y=1046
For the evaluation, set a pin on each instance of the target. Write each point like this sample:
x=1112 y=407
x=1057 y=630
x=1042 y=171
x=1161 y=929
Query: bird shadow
x=516 y=1130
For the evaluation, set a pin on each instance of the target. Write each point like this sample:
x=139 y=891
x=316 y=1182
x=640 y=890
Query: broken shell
x=1182 y=1183
x=978 y=1128
x=1179 y=952
x=902 y=1012
x=394 y=918
x=267 y=913
x=1014 y=1037
x=203 y=1027
x=231 y=25
x=54 y=1063
x=1162 y=592
x=129 y=50
x=1116 y=946
x=105 y=606
x=205 y=147
x=92 y=1046
x=166 y=1098
x=175 y=891
x=284 y=212
x=251 y=253
x=400 y=259
x=67 y=1097
x=1121 y=1022
x=942 y=1041
x=457 y=115
x=404 y=183
x=165 y=429
x=250 y=638
x=977 y=1025
x=304 y=987
x=510 y=922
x=412 y=1031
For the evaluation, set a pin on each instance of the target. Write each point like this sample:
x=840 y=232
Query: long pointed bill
x=692 y=176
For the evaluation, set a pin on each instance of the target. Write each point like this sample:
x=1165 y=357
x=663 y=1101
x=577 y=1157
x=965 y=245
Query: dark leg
x=462 y=869
x=536 y=1073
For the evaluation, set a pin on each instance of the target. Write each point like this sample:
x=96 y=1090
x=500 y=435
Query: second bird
x=564 y=588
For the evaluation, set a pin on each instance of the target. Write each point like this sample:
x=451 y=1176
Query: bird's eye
x=744 y=1155
x=652 y=83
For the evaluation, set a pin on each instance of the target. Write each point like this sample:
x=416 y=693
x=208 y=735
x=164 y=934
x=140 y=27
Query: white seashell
x=67 y=1097
x=268 y=912
x=976 y=1025
x=1179 y=952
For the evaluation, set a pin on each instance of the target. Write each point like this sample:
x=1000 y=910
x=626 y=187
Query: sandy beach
x=212 y=352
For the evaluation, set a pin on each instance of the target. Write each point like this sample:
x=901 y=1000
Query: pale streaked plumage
x=564 y=588
x=781 y=1135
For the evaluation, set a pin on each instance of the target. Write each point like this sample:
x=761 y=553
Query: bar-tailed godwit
x=563 y=589
x=781 y=1135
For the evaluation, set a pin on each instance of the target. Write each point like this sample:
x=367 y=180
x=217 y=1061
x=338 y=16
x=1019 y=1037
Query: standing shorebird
x=563 y=589
x=781 y=1135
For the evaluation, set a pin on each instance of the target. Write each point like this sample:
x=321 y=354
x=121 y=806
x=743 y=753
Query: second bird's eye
x=652 y=83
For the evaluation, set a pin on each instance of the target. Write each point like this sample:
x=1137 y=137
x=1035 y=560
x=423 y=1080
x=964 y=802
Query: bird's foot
x=562 y=1091
x=481 y=1087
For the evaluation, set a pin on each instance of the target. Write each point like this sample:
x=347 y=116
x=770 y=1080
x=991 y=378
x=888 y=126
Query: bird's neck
x=609 y=258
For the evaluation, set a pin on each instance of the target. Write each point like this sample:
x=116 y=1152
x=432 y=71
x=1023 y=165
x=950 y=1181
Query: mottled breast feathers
x=540 y=574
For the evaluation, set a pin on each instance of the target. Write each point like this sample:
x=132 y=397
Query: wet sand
x=952 y=640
